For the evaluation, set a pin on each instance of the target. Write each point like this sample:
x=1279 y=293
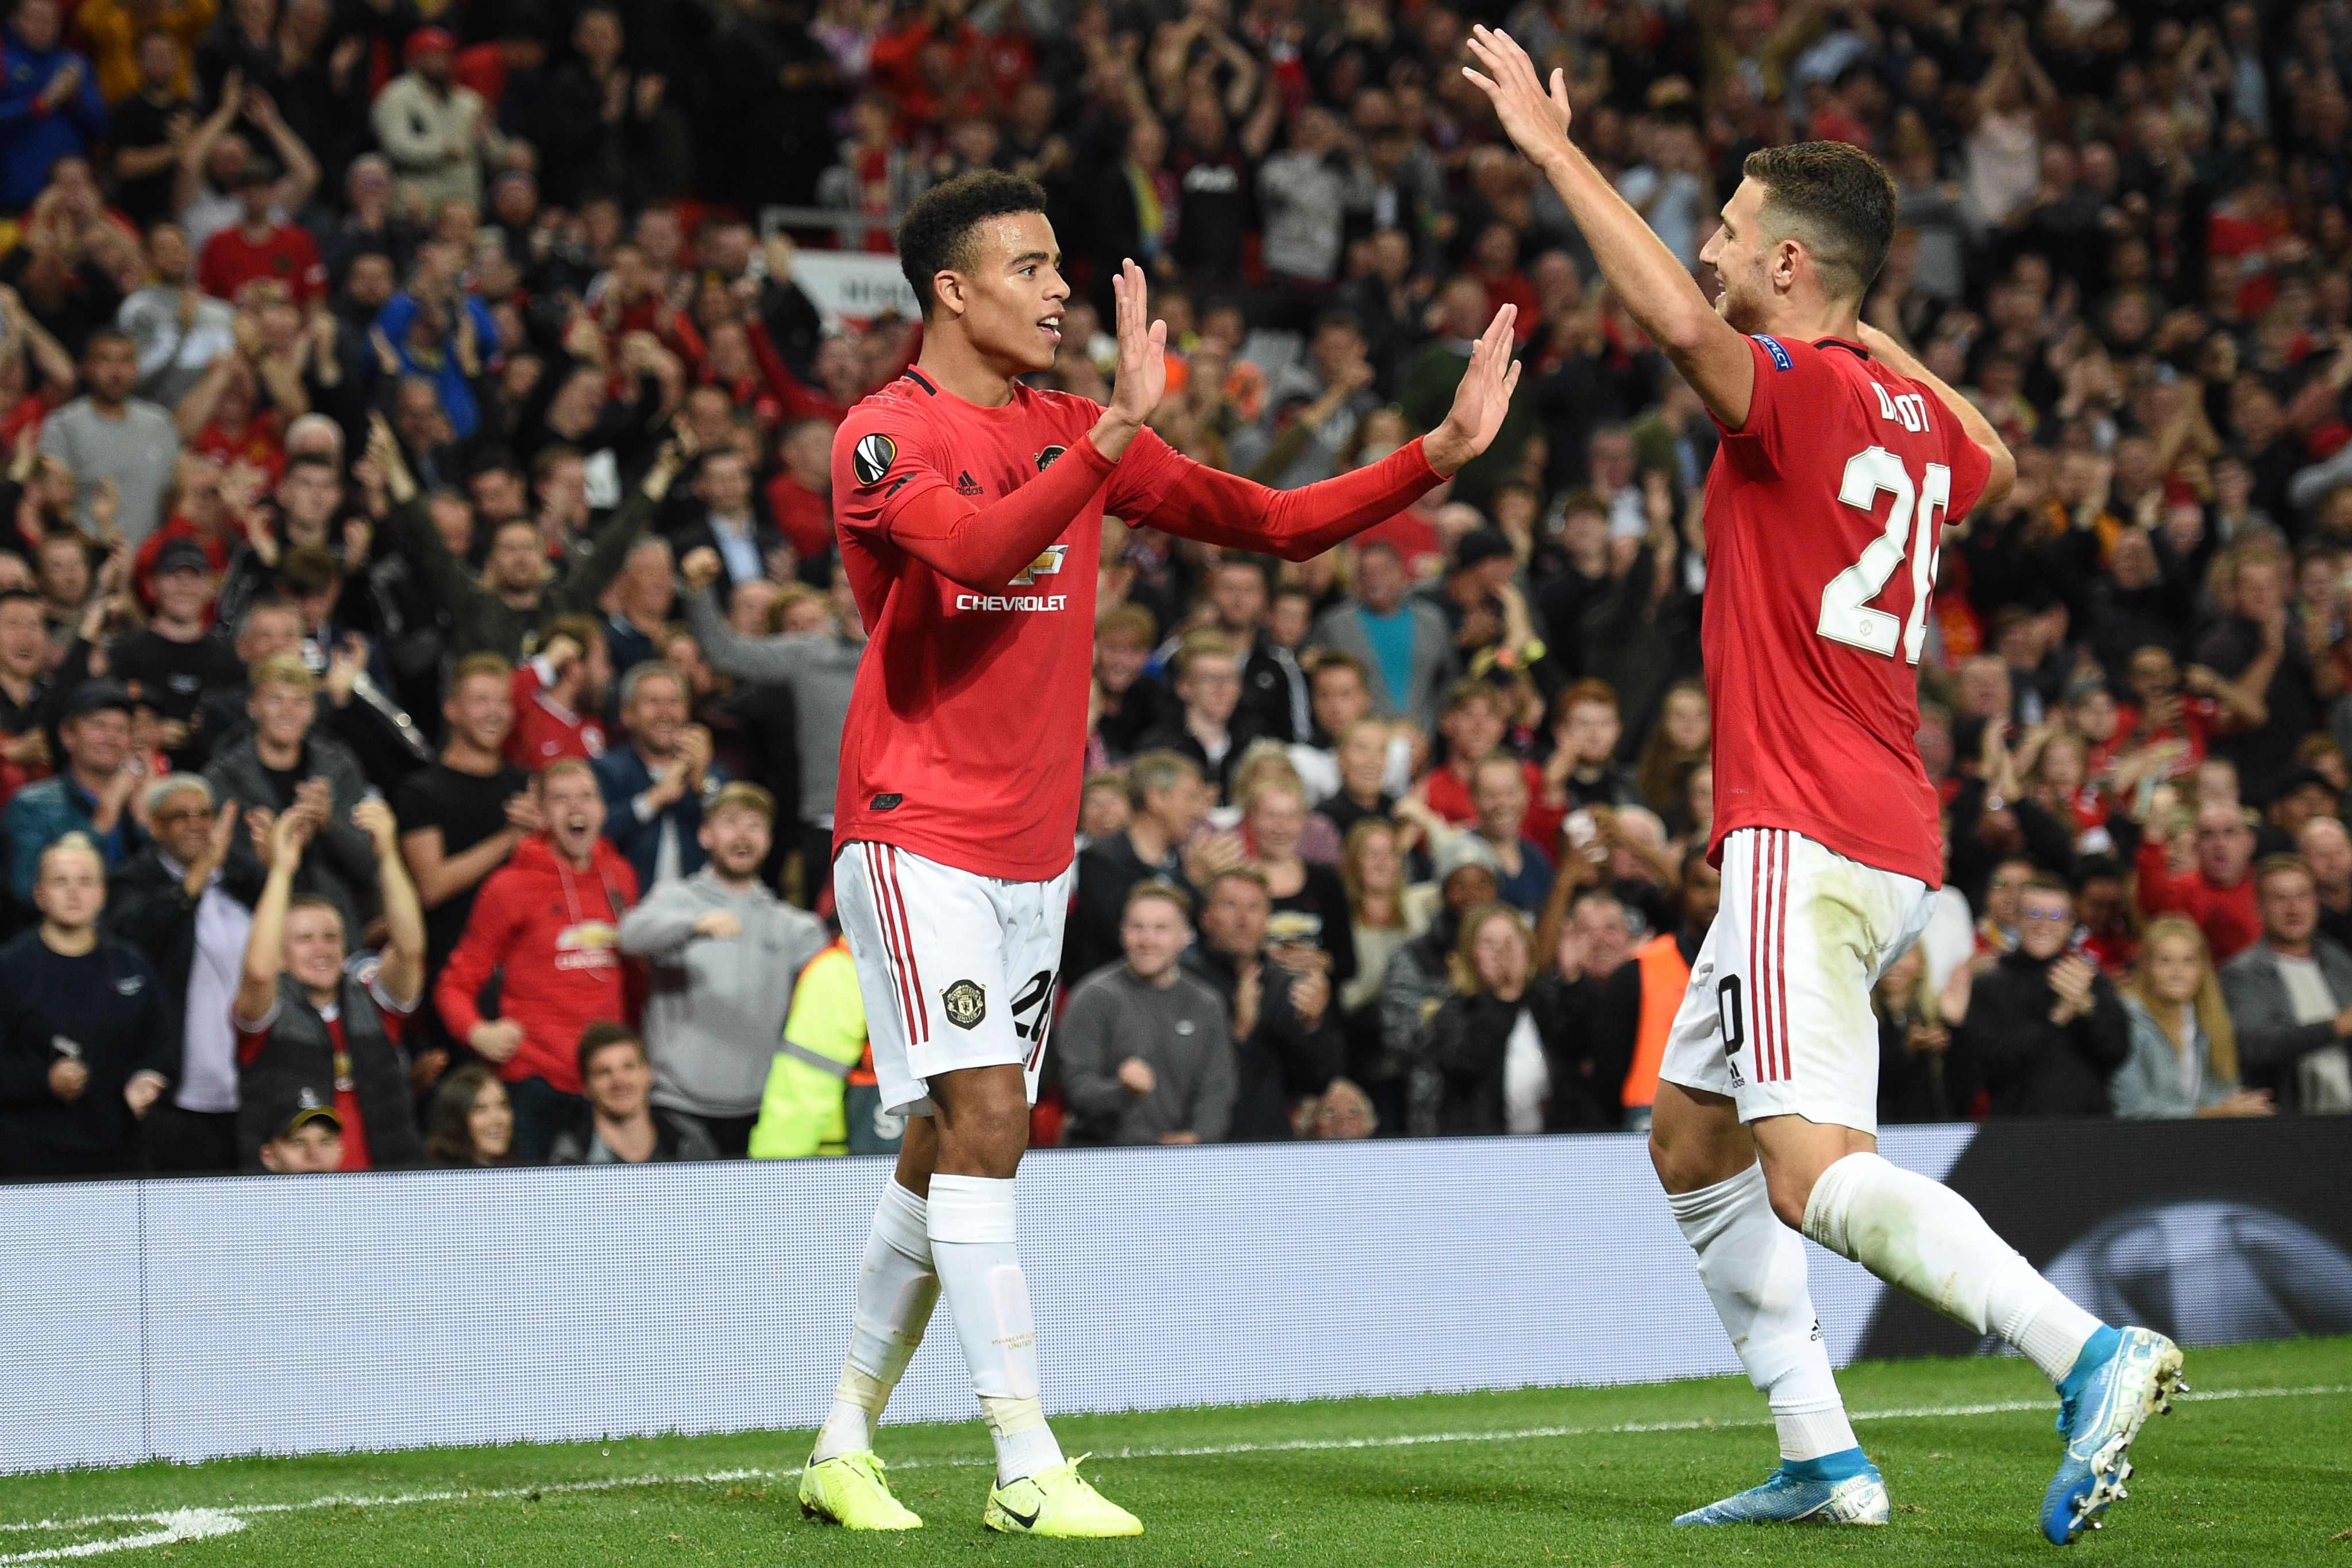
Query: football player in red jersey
x=1841 y=457
x=969 y=509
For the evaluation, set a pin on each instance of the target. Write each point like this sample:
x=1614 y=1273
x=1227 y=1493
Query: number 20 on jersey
x=1846 y=614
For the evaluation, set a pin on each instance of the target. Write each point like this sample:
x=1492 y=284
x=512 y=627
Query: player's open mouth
x=1052 y=327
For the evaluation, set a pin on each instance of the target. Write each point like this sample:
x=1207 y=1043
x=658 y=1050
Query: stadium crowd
x=422 y=659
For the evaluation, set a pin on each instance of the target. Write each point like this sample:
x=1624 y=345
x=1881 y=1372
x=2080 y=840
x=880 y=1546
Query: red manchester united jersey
x=1823 y=515
x=966 y=736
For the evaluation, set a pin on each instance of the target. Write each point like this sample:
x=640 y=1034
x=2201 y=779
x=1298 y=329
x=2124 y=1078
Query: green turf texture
x=2259 y=1480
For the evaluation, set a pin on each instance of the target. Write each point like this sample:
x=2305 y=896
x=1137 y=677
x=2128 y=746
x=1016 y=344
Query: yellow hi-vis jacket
x=825 y=1040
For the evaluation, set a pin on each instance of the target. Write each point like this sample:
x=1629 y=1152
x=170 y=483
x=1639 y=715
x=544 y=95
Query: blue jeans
x=542 y=1114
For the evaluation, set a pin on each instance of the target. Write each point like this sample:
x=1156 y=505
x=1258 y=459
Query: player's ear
x=948 y=288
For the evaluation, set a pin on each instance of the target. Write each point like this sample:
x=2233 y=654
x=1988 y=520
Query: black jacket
x=2021 y=1064
x=1107 y=869
x=148 y=907
x=105 y=1009
x=1458 y=1091
x=1282 y=1059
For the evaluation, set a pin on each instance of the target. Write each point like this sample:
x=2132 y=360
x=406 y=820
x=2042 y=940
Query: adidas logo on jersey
x=966 y=485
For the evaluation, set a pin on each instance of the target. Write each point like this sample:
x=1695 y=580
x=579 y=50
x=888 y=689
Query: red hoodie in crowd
x=554 y=928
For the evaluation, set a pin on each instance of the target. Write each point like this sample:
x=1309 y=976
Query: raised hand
x=700 y=568
x=1480 y=401
x=1534 y=118
x=375 y=818
x=1142 y=349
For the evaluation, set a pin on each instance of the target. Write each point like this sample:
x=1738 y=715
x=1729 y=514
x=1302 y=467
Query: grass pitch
x=2252 y=1468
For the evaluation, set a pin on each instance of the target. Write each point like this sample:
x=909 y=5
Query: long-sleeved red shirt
x=2226 y=914
x=555 y=929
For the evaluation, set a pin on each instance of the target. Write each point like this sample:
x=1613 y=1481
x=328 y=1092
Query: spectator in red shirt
x=259 y=246
x=559 y=691
x=2216 y=889
x=550 y=920
x=303 y=1023
x=801 y=495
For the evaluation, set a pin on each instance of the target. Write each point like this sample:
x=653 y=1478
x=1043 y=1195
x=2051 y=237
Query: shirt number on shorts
x=1727 y=1015
x=1030 y=1013
x=1846 y=614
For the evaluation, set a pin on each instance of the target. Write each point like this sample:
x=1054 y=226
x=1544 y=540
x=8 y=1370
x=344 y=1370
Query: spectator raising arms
x=304 y=1022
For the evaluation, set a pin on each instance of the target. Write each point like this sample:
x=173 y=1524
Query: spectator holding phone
x=85 y=1044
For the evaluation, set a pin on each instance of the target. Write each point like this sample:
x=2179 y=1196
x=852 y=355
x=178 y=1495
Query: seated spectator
x=655 y=785
x=85 y=1047
x=1402 y=644
x=1132 y=702
x=1168 y=798
x=305 y=1021
x=1308 y=894
x=1211 y=728
x=2327 y=853
x=92 y=795
x=2043 y=1031
x=187 y=903
x=624 y=1127
x=287 y=760
x=1913 y=1044
x=1343 y=1113
x=1488 y=1067
x=472 y=1123
x=1421 y=975
x=2216 y=888
x=1286 y=1048
x=306 y=1136
x=1583 y=770
x=1498 y=795
x=1146 y=1055
x=120 y=448
x=2184 y=1050
x=549 y=922
x=723 y=953
x=2290 y=999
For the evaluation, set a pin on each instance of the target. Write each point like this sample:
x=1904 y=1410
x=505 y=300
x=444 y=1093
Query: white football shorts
x=1777 y=1013
x=956 y=969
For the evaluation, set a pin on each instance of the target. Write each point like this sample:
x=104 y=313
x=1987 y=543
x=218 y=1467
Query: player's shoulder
x=896 y=406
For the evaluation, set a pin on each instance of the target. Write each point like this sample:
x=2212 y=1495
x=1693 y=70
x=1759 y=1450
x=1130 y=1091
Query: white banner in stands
x=853 y=285
x=295 y=1314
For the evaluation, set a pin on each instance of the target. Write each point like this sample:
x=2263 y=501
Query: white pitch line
x=194 y=1524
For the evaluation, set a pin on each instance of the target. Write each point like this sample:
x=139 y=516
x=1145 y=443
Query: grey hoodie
x=820 y=666
x=718 y=1005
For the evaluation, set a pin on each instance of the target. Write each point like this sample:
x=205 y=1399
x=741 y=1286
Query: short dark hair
x=936 y=234
x=307 y=569
x=1837 y=200
x=597 y=1037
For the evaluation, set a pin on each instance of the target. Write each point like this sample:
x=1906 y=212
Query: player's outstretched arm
x=1971 y=418
x=1226 y=510
x=1664 y=298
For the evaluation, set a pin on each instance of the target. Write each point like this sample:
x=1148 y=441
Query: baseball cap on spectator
x=95 y=696
x=1462 y=851
x=427 y=41
x=1478 y=547
x=291 y=1112
x=181 y=555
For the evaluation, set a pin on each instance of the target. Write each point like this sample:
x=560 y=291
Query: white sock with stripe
x=1930 y=1243
x=973 y=1226
x=1754 y=1269
x=896 y=1289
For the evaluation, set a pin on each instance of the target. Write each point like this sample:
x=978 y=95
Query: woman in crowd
x=1490 y=1064
x=1382 y=919
x=1913 y=1044
x=2184 y=1051
x=473 y=1124
x=1679 y=741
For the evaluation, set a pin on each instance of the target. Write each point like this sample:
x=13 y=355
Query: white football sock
x=1930 y=1243
x=1754 y=1269
x=973 y=1226
x=896 y=1289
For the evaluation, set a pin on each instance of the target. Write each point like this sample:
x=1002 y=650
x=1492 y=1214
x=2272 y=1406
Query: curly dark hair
x=1838 y=200
x=936 y=234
